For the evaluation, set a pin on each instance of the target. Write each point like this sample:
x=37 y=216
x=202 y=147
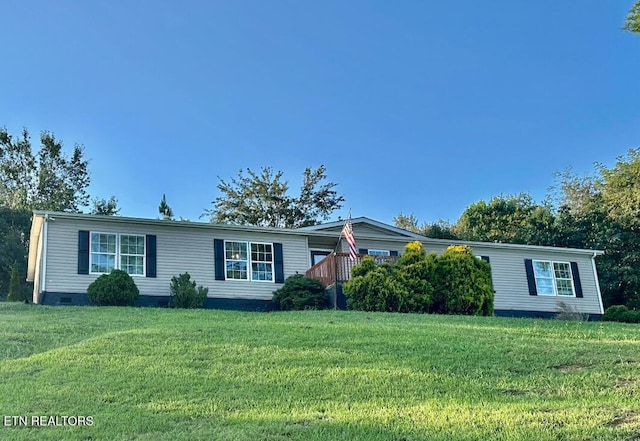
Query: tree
x=513 y=219
x=632 y=23
x=14 y=245
x=164 y=209
x=105 y=207
x=263 y=200
x=48 y=181
x=439 y=229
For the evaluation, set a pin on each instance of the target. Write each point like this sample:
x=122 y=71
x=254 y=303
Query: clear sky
x=413 y=106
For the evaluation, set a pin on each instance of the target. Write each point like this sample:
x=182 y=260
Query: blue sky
x=413 y=106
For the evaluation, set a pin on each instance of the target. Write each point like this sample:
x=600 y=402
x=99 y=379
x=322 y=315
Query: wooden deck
x=336 y=268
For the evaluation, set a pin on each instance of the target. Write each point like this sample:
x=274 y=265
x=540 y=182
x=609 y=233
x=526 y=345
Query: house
x=243 y=265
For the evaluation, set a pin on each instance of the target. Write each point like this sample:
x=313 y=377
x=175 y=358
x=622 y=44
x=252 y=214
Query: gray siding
x=179 y=249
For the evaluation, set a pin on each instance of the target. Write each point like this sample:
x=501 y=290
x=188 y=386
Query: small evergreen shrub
x=114 y=289
x=185 y=294
x=463 y=283
x=301 y=292
x=15 y=294
x=620 y=313
x=402 y=286
x=614 y=313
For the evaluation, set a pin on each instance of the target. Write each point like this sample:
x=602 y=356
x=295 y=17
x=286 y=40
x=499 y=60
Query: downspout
x=595 y=274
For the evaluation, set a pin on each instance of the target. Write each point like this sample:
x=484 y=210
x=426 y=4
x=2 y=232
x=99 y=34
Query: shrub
x=403 y=286
x=114 y=289
x=454 y=283
x=184 y=293
x=463 y=283
x=15 y=294
x=631 y=316
x=301 y=292
x=614 y=313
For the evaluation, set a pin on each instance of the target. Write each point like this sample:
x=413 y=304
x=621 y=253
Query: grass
x=159 y=374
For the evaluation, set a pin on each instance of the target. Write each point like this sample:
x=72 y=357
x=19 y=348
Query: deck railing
x=336 y=267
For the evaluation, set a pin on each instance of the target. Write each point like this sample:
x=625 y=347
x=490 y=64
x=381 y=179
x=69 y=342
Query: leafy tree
x=164 y=209
x=263 y=200
x=513 y=219
x=439 y=229
x=14 y=245
x=632 y=23
x=105 y=207
x=47 y=181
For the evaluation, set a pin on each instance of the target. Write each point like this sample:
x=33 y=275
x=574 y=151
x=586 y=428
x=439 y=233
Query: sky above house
x=418 y=107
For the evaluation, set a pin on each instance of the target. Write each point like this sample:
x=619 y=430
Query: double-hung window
x=109 y=251
x=103 y=252
x=553 y=278
x=249 y=261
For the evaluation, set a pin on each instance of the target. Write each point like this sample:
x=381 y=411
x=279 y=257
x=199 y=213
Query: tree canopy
x=264 y=200
x=48 y=180
x=105 y=207
x=632 y=23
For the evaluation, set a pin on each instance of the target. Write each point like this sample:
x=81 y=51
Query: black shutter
x=393 y=253
x=486 y=259
x=363 y=251
x=278 y=263
x=83 y=252
x=151 y=255
x=576 y=279
x=528 y=265
x=218 y=256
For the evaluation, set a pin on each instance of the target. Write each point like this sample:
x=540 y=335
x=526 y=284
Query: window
x=111 y=251
x=238 y=260
x=103 y=252
x=379 y=252
x=262 y=261
x=553 y=278
x=132 y=254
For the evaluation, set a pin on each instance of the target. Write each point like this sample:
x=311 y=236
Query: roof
x=399 y=235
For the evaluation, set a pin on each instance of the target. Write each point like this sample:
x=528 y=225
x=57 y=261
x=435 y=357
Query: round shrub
x=615 y=313
x=114 y=289
x=185 y=294
x=392 y=287
x=301 y=292
x=463 y=283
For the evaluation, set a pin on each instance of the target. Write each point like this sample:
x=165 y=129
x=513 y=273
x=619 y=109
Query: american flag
x=347 y=232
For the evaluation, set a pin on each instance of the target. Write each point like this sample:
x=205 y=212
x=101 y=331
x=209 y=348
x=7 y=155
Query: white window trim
x=553 y=279
x=250 y=261
x=117 y=253
x=380 y=252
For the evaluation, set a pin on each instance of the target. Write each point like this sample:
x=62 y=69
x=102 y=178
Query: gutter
x=43 y=261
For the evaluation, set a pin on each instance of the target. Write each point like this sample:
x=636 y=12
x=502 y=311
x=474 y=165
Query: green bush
x=114 y=289
x=620 y=313
x=301 y=292
x=631 y=316
x=454 y=283
x=463 y=283
x=391 y=287
x=184 y=293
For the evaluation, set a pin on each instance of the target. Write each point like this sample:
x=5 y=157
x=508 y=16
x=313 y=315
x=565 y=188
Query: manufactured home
x=243 y=265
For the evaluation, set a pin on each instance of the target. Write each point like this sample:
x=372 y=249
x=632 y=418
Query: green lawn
x=160 y=374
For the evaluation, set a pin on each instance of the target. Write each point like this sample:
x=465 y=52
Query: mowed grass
x=159 y=374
